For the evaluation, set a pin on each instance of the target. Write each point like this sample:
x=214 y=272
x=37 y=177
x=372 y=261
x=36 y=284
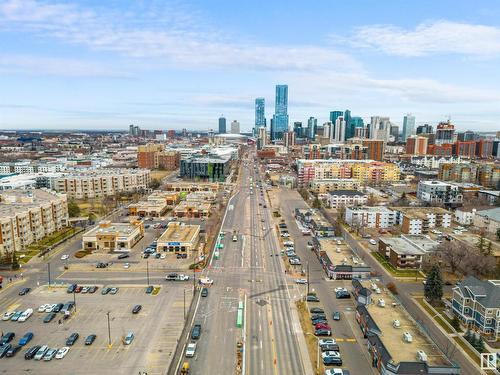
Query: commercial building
x=212 y=168
x=28 y=216
x=477 y=304
x=406 y=251
x=186 y=187
x=192 y=209
x=370 y=217
x=155 y=205
x=108 y=236
x=102 y=182
x=437 y=192
x=235 y=127
x=179 y=238
x=202 y=196
x=279 y=123
x=345 y=198
x=422 y=220
x=395 y=342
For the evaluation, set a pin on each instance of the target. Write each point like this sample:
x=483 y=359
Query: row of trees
x=475 y=340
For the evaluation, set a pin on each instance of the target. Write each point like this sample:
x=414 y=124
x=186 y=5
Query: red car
x=78 y=289
x=323 y=326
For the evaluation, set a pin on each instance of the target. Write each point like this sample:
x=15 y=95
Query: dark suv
x=30 y=353
x=72 y=339
x=196 y=332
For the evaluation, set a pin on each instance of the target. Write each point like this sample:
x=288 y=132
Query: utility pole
x=184 y=303
x=48 y=269
x=194 y=280
x=109 y=332
x=147 y=270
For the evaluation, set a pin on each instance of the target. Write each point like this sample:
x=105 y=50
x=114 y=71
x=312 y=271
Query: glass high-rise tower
x=280 y=118
x=408 y=126
x=222 y=125
x=260 y=115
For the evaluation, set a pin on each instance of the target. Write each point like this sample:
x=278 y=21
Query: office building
x=222 y=125
x=334 y=115
x=350 y=125
x=380 y=128
x=27 y=216
x=408 y=126
x=235 y=127
x=280 y=118
x=312 y=127
x=425 y=129
x=466 y=149
x=465 y=136
x=260 y=114
x=339 y=129
x=437 y=192
x=395 y=132
x=108 y=236
x=211 y=168
x=262 y=138
x=298 y=130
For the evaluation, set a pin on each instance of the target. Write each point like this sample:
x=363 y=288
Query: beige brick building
x=27 y=216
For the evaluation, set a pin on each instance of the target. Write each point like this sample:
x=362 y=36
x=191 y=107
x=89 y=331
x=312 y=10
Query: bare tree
x=453 y=254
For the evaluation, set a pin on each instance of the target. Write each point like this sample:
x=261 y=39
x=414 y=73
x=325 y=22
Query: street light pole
x=109 y=332
x=308 y=277
x=147 y=270
x=48 y=270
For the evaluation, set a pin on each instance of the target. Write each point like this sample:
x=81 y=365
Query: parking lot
x=156 y=328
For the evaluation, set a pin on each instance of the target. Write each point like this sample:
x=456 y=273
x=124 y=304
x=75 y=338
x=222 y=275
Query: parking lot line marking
x=14 y=304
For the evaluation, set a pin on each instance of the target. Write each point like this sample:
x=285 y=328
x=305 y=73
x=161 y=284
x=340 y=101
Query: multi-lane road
x=248 y=270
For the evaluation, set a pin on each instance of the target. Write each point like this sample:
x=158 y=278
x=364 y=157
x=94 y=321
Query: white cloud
x=439 y=37
x=169 y=36
x=36 y=65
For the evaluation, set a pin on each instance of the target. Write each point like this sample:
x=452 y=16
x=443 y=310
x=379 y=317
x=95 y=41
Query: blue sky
x=174 y=64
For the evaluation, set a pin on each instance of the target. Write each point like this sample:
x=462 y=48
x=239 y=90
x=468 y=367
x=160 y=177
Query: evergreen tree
x=467 y=335
x=15 y=262
x=479 y=344
x=316 y=203
x=473 y=339
x=455 y=323
x=433 y=289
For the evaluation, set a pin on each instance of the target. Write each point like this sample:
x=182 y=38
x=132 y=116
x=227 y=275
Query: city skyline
x=91 y=66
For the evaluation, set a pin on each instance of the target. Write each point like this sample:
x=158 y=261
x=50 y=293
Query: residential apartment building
x=327 y=185
x=28 y=216
x=102 y=182
x=437 y=192
x=375 y=149
x=154 y=156
x=488 y=220
x=422 y=220
x=477 y=304
x=485 y=174
x=345 y=198
x=370 y=217
x=406 y=251
x=416 y=145
x=108 y=236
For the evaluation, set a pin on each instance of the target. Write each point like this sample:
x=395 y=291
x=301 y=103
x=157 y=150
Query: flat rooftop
x=201 y=206
x=392 y=338
x=124 y=229
x=339 y=254
x=16 y=201
x=422 y=212
x=180 y=232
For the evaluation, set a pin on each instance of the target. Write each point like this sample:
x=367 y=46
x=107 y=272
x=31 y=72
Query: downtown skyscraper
x=279 y=124
x=260 y=114
x=408 y=126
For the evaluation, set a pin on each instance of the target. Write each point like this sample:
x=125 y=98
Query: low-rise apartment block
x=423 y=219
x=325 y=186
x=438 y=192
x=102 y=182
x=370 y=216
x=179 y=238
x=110 y=237
x=488 y=220
x=28 y=216
x=406 y=251
x=477 y=304
x=345 y=198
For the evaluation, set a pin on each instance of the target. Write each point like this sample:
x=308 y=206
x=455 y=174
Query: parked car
x=25 y=315
x=322 y=332
x=105 y=290
x=30 y=353
x=61 y=353
x=64 y=256
x=149 y=289
x=327 y=342
x=372 y=241
x=8 y=315
x=336 y=315
x=312 y=298
x=24 y=291
x=93 y=289
x=113 y=290
x=342 y=294
x=41 y=352
x=136 y=309
x=123 y=256
x=4 y=349
x=72 y=339
x=13 y=350
x=7 y=337
x=322 y=326
x=204 y=292
x=49 y=317
x=196 y=332
x=90 y=339
x=329 y=348
x=85 y=289
x=129 y=338
x=318 y=316
x=26 y=338
x=71 y=288
x=300 y=281
x=51 y=353
x=316 y=310
x=191 y=350
x=78 y=289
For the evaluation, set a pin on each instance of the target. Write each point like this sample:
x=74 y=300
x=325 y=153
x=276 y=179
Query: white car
x=43 y=307
x=7 y=315
x=126 y=265
x=300 y=281
x=61 y=353
x=334 y=371
x=373 y=242
x=340 y=289
x=339 y=242
x=50 y=308
x=330 y=353
x=64 y=256
x=163 y=256
x=190 y=350
x=327 y=342
x=25 y=315
x=205 y=281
